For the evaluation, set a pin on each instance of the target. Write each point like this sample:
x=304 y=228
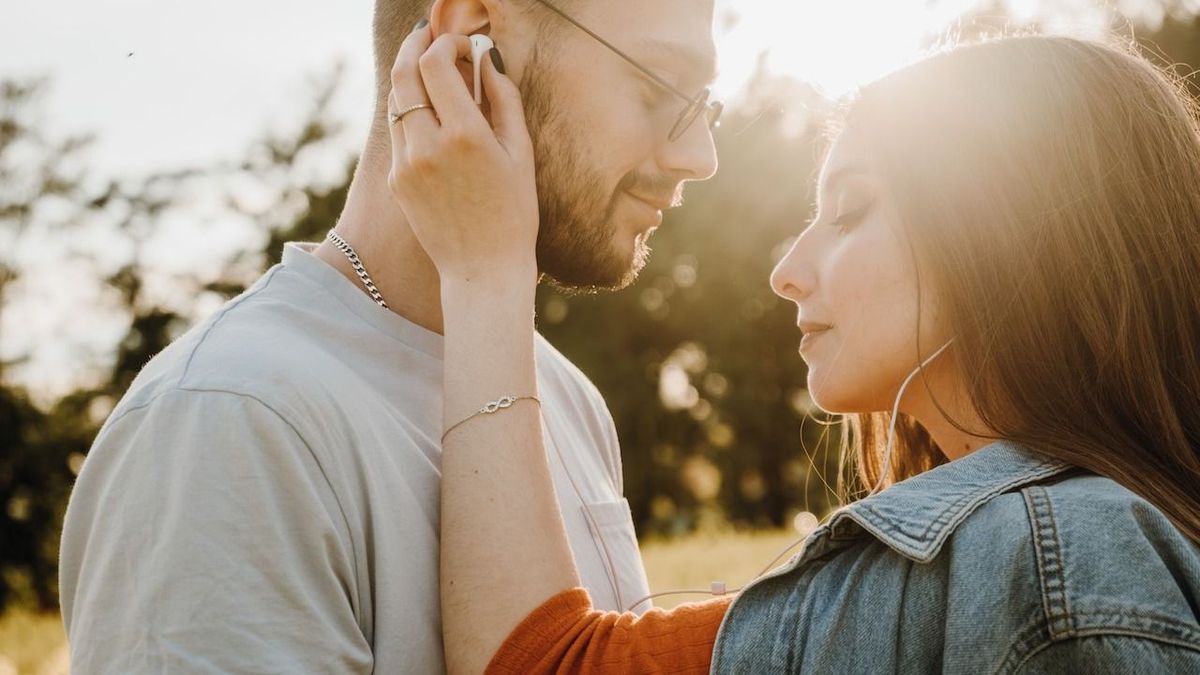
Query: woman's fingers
x=408 y=90
x=444 y=83
x=468 y=189
x=508 y=112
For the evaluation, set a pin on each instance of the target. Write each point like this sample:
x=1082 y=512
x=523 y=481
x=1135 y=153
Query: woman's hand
x=466 y=186
x=468 y=190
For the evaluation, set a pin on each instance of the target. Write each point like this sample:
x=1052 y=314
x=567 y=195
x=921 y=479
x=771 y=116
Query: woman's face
x=853 y=279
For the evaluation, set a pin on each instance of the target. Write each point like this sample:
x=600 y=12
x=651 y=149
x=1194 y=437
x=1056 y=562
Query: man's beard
x=577 y=240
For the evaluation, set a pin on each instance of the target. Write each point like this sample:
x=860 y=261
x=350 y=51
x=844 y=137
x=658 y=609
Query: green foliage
x=1176 y=44
x=41 y=451
x=35 y=445
x=697 y=361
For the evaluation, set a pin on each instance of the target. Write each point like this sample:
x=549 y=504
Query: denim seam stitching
x=1028 y=641
x=1117 y=620
x=1120 y=618
x=1049 y=555
x=1101 y=631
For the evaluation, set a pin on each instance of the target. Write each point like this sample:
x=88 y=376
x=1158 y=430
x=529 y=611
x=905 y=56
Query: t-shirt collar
x=299 y=257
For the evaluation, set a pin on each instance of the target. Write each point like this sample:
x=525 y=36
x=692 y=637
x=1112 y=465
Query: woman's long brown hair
x=1050 y=190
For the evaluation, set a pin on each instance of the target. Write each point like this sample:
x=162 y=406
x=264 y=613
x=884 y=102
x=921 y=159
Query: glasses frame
x=695 y=104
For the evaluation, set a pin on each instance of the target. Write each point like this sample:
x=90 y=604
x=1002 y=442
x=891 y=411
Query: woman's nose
x=793 y=279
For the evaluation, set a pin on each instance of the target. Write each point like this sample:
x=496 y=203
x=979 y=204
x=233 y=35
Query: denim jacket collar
x=915 y=517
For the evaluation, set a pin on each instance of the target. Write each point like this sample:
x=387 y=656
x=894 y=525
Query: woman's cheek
x=875 y=318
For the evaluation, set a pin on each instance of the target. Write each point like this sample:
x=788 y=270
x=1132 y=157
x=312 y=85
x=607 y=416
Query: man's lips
x=657 y=204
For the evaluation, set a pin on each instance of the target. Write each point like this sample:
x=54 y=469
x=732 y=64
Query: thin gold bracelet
x=502 y=403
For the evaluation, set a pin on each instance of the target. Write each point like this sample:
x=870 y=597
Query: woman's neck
x=940 y=401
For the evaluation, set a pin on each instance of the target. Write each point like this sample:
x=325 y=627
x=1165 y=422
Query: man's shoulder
x=257 y=345
x=555 y=369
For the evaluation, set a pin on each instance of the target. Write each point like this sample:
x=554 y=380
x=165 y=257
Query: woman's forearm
x=499 y=510
x=467 y=185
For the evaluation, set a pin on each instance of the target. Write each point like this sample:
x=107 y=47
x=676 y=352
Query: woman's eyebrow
x=835 y=177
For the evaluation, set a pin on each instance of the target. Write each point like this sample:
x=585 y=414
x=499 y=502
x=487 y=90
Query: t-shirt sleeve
x=203 y=536
x=566 y=635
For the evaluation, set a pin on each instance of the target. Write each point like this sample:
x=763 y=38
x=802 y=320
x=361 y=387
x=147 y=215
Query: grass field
x=34 y=643
x=697 y=561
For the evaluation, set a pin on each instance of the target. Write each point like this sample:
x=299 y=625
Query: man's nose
x=692 y=155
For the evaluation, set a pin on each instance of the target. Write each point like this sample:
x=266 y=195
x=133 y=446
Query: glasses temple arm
x=657 y=80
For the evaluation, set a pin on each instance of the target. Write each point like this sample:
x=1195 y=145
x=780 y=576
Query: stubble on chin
x=579 y=248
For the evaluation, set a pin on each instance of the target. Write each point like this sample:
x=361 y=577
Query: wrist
x=486 y=292
x=492 y=280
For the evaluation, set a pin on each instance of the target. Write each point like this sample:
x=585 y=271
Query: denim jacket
x=1003 y=561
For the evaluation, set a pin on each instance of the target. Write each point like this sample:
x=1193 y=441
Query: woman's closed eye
x=850 y=217
x=855 y=199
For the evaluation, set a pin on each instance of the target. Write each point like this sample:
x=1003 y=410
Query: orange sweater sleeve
x=566 y=635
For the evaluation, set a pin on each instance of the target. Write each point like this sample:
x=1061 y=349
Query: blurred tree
x=40 y=188
x=1176 y=44
x=697 y=360
x=41 y=451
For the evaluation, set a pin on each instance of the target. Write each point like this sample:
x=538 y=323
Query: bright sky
x=167 y=83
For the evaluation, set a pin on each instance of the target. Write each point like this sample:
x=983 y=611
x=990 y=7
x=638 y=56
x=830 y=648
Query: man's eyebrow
x=692 y=61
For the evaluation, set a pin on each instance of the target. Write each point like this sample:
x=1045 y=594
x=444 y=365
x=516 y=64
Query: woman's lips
x=810 y=336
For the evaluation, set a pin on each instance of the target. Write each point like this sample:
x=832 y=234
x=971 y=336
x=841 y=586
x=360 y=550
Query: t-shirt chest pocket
x=611 y=526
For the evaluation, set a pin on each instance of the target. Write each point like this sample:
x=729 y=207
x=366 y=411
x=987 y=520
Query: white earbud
x=480 y=46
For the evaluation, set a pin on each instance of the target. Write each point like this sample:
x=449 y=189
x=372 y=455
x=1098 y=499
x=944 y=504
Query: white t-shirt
x=264 y=498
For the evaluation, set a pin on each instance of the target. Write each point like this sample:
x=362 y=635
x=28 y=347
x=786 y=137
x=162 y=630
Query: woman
x=1014 y=227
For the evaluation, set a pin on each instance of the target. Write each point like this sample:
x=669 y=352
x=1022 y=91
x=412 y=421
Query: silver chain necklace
x=345 y=247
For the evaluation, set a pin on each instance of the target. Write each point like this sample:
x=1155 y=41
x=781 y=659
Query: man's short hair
x=394 y=20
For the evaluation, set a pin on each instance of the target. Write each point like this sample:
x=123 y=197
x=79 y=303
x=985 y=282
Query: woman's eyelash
x=850 y=218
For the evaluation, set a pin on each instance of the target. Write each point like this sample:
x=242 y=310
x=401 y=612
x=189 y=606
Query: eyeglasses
x=696 y=105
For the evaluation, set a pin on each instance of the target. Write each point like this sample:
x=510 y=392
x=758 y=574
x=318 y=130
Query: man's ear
x=467 y=17
x=462 y=17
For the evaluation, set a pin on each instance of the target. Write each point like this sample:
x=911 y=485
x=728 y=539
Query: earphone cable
x=587 y=513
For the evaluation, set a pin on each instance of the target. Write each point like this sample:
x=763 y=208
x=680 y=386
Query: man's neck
x=375 y=226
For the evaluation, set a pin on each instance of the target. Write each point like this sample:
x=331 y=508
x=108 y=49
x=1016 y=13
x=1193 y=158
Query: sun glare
x=835 y=46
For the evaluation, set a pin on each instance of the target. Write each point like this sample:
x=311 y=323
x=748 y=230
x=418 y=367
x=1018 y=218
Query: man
x=265 y=497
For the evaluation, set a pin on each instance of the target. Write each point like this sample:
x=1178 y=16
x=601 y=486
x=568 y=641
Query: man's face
x=605 y=165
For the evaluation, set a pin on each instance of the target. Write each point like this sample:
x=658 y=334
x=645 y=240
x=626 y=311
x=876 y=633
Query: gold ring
x=396 y=117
